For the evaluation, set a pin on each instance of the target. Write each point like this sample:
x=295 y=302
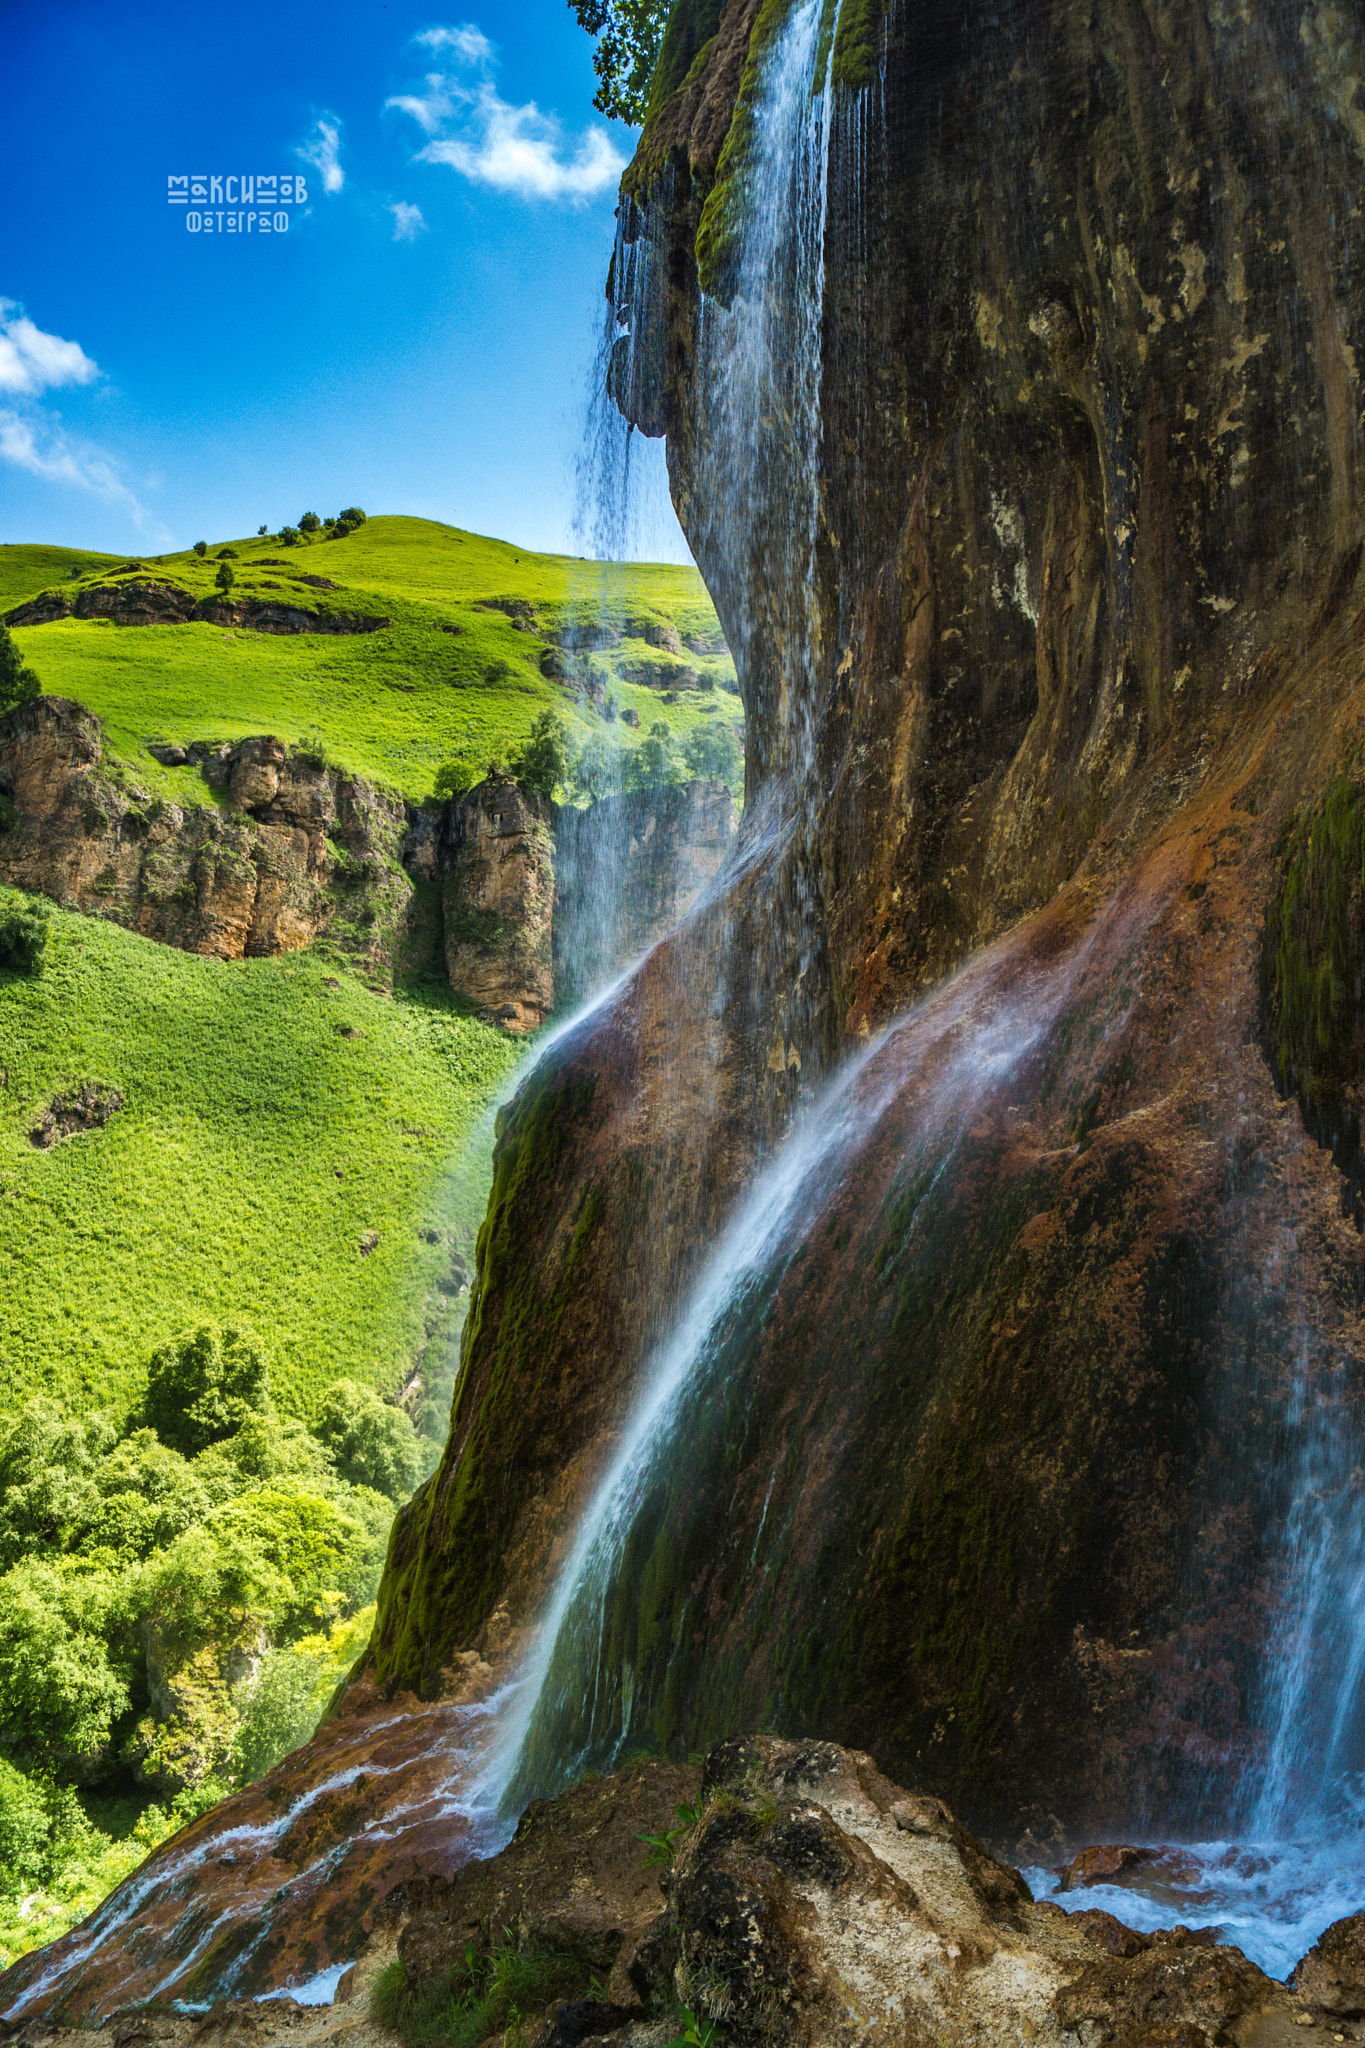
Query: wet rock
x=1331 y=1976
x=498 y=898
x=1101 y=1866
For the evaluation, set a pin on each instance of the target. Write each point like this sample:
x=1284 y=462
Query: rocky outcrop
x=137 y=603
x=629 y=868
x=286 y=848
x=788 y=1892
x=498 y=896
x=291 y=847
x=188 y=1734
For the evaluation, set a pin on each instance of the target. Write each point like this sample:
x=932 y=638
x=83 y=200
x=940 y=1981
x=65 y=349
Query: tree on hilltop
x=309 y=523
x=18 y=682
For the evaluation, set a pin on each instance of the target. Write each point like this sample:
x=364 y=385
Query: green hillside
x=392 y=705
x=275 y=1114
x=279 y=1147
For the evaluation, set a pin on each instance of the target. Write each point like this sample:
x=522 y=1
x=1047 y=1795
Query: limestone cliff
x=1043 y=637
x=284 y=848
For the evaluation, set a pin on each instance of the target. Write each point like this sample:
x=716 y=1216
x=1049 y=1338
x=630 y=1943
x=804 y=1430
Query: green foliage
x=290 y=536
x=280 y=1711
x=228 y=555
x=309 y=523
x=201 y=548
x=61 y=1687
x=370 y=1443
x=653 y=764
x=543 y=763
x=597 y=767
x=277 y=1111
x=225 y=577
x=24 y=931
x=24 y=1833
x=201 y=1388
x=629 y=34
x=696 y=2032
x=662 y=1848
x=351 y=516
x=18 y=683
x=48 y=1493
x=488 y=1991
x=713 y=753
x=455 y=779
x=1311 y=949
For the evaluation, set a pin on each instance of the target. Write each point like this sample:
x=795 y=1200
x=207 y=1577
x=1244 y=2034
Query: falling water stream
x=1294 y=1859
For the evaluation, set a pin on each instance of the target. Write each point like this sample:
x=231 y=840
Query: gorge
x=919 y=1303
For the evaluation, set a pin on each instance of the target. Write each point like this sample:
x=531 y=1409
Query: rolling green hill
x=280 y=1146
x=452 y=677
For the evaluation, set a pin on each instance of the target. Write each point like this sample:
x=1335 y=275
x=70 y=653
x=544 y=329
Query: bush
x=352 y=516
x=370 y=1443
x=23 y=935
x=225 y=578
x=309 y=523
x=203 y=1387
x=279 y=1712
x=455 y=778
x=201 y=548
x=289 y=535
x=543 y=763
x=24 y=1831
x=653 y=764
x=18 y=683
x=48 y=1494
x=713 y=753
x=60 y=1694
x=228 y=555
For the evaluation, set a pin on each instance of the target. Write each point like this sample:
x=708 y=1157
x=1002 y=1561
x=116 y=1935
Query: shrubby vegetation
x=552 y=764
x=179 y=1595
x=18 y=682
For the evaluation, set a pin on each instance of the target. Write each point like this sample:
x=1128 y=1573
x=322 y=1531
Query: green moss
x=691 y=27
x=446 y=1548
x=850 y=33
x=1312 y=947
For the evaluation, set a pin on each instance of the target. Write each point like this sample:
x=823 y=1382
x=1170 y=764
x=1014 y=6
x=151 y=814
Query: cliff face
x=1044 y=630
x=1036 y=536
x=285 y=848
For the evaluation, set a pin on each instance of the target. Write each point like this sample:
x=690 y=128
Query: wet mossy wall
x=443 y=1570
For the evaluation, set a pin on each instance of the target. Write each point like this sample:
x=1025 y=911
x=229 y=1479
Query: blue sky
x=419 y=340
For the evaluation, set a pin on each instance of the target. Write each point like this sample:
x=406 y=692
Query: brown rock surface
x=498 y=902
x=1331 y=1976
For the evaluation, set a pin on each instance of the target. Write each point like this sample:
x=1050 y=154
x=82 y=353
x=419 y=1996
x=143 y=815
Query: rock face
x=286 y=848
x=498 y=899
x=135 y=603
x=284 y=854
x=1068 y=630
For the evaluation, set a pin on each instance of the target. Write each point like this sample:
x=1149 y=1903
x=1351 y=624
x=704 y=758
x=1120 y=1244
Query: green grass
x=256 y=1147
x=26 y=568
x=391 y=705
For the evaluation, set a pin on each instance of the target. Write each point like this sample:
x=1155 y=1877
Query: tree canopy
x=629 y=36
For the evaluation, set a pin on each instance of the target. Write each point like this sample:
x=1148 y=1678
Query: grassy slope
x=391 y=705
x=256 y=1147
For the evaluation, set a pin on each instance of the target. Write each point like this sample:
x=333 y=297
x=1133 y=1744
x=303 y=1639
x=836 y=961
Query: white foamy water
x=1270 y=1899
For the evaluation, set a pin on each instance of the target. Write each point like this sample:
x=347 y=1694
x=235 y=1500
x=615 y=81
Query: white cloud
x=322 y=151
x=521 y=150
x=438 y=104
x=486 y=139
x=467 y=42
x=408 y=223
x=44 y=451
x=31 y=361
